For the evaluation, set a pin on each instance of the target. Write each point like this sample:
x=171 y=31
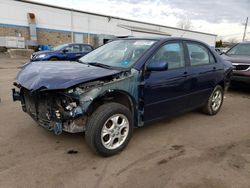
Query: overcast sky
x=222 y=17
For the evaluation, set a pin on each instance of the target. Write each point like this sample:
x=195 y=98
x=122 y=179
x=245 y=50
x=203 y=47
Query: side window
x=76 y=48
x=86 y=48
x=172 y=53
x=69 y=48
x=198 y=54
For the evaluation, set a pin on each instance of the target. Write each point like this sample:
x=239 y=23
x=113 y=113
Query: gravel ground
x=189 y=151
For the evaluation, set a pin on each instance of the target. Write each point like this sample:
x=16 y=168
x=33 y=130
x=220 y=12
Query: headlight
x=41 y=56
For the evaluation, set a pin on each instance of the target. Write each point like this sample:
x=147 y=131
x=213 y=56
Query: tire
x=214 y=103
x=53 y=59
x=109 y=123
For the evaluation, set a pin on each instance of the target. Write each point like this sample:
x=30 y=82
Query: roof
x=162 y=39
x=108 y=16
x=144 y=30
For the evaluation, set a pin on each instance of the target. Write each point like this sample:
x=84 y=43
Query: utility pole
x=245 y=30
x=72 y=22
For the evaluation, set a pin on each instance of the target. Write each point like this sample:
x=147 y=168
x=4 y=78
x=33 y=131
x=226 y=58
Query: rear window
x=86 y=48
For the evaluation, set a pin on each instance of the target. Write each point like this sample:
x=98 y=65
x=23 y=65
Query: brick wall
x=92 y=40
x=53 y=38
x=45 y=36
x=14 y=31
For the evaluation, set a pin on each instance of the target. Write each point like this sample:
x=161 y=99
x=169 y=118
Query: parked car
x=124 y=84
x=64 y=52
x=239 y=55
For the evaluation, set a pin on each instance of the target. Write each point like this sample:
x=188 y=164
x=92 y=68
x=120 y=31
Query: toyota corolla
x=124 y=84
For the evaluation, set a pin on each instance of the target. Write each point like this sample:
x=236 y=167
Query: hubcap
x=115 y=131
x=216 y=100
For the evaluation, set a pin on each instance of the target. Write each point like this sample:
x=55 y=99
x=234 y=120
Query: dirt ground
x=189 y=151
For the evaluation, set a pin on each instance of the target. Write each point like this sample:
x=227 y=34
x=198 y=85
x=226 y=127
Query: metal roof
x=144 y=30
x=108 y=16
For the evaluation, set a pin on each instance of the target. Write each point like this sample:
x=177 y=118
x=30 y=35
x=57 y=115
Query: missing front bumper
x=45 y=109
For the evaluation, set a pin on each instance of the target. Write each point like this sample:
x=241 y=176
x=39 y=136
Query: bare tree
x=233 y=40
x=185 y=24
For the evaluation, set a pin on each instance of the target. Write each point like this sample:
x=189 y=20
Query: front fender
x=126 y=85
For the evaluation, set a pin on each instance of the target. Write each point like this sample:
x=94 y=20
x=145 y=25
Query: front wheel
x=109 y=129
x=215 y=101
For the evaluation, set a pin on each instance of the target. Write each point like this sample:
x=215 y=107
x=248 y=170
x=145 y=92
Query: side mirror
x=157 y=66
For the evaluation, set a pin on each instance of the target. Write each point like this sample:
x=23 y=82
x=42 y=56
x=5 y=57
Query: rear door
x=85 y=49
x=203 y=73
x=164 y=91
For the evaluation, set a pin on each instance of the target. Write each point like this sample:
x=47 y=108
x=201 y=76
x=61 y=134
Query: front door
x=164 y=91
x=73 y=52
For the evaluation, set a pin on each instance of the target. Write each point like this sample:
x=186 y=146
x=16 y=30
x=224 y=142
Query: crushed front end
x=61 y=97
x=54 y=110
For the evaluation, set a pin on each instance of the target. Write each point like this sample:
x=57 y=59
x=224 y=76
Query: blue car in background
x=64 y=52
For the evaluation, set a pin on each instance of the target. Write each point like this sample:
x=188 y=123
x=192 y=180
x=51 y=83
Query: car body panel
x=164 y=90
x=152 y=95
x=201 y=81
x=59 y=75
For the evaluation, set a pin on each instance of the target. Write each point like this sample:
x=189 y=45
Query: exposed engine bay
x=67 y=109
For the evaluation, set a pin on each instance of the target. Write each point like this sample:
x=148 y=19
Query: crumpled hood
x=59 y=75
x=237 y=58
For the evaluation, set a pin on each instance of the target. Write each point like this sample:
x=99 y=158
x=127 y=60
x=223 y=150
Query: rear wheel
x=215 y=101
x=109 y=129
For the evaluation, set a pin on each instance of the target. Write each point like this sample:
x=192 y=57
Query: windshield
x=240 y=49
x=59 y=47
x=118 y=54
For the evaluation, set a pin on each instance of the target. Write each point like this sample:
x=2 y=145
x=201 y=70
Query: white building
x=54 y=25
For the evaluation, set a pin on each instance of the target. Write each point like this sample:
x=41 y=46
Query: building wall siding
x=57 y=23
x=14 y=31
x=47 y=37
x=52 y=38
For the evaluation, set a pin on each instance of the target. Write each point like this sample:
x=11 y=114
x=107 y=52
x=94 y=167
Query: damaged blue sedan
x=124 y=84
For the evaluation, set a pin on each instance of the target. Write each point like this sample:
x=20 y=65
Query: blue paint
x=162 y=92
x=59 y=75
x=12 y=25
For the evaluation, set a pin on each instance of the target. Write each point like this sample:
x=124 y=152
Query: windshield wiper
x=99 y=65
